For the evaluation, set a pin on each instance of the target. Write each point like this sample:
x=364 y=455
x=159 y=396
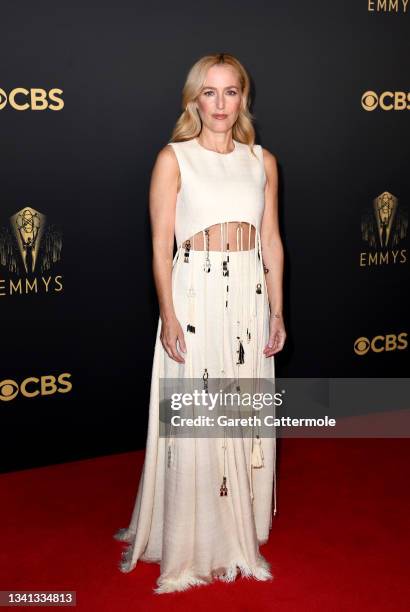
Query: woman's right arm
x=162 y=206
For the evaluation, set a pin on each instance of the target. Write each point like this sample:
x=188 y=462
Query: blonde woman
x=204 y=505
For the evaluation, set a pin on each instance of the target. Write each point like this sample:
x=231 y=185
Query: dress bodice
x=218 y=187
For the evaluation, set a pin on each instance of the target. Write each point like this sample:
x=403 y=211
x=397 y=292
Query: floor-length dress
x=181 y=519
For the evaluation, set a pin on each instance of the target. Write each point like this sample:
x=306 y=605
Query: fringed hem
x=185 y=581
x=125 y=565
x=123 y=535
x=188 y=579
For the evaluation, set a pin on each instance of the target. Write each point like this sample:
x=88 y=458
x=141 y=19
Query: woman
x=203 y=507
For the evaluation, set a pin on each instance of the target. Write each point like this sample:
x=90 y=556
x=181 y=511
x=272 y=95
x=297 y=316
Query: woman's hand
x=171 y=331
x=277 y=337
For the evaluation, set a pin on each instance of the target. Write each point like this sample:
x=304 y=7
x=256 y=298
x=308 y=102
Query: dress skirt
x=181 y=519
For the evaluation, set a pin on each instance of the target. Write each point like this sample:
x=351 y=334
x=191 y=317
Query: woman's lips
x=220 y=116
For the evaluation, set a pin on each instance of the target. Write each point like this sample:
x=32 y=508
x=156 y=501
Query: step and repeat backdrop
x=88 y=98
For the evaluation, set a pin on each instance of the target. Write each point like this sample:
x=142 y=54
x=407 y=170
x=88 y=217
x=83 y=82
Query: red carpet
x=340 y=541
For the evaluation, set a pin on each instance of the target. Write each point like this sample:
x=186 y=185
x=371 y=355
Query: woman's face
x=220 y=98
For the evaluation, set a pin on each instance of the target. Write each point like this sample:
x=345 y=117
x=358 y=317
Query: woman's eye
x=230 y=92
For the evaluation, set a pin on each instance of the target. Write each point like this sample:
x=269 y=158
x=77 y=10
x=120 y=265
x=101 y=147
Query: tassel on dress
x=257 y=453
x=241 y=352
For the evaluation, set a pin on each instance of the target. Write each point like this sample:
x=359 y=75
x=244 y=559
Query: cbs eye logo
x=8 y=390
x=22 y=99
x=380 y=344
x=387 y=100
x=33 y=386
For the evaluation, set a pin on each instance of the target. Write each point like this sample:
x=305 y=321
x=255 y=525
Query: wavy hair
x=189 y=123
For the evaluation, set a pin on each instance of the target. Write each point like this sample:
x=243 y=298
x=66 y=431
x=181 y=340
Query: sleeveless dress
x=204 y=505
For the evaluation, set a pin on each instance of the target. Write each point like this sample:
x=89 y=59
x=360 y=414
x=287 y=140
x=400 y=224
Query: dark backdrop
x=120 y=67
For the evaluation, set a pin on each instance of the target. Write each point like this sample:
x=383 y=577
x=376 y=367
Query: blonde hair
x=189 y=123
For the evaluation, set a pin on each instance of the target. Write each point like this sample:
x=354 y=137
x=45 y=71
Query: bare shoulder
x=269 y=159
x=166 y=160
x=167 y=154
x=271 y=165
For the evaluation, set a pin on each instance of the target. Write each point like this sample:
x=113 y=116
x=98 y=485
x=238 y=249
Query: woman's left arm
x=273 y=257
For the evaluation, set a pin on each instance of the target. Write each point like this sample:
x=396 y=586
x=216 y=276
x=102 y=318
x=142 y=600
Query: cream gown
x=180 y=519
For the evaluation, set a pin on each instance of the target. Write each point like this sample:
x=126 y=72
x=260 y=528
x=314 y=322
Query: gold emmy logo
x=29 y=242
x=29 y=248
x=384 y=226
x=28 y=226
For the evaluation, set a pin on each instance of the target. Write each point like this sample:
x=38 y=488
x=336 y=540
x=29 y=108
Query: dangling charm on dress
x=170 y=457
x=240 y=351
x=207 y=264
x=205 y=377
x=259 y=288
x=248 y=334
x=257 y=453
x=226 y=269
x=186 y=254
x=191 y=295
x=224 y=489
x=225 y=263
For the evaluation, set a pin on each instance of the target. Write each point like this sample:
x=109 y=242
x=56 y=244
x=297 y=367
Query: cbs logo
x=388 y=100
x=22 y=99
x=379 y=344
x=33 y=386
